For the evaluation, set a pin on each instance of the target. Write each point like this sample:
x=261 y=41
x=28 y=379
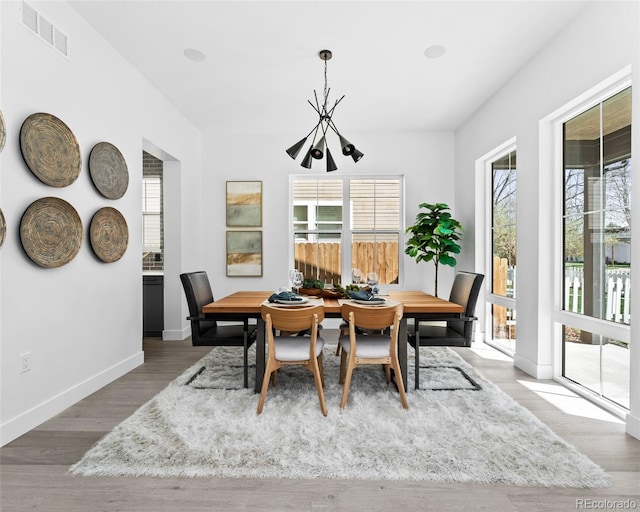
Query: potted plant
x=434 y=237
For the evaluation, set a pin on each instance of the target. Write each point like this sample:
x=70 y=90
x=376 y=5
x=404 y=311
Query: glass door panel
x=596 y=244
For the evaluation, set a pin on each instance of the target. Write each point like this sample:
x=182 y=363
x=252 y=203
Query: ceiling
x=262 y=62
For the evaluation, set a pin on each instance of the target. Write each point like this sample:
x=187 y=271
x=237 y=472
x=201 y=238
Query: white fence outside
x=617 y=293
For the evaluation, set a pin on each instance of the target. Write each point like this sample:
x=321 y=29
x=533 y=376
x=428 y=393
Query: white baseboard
x=176 y=334
x=535 y=370
x=633 y=426
x=30 y=419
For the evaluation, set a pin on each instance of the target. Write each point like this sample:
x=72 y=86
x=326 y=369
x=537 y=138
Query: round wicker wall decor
x=3 y=131
x=51 y=232
x=50 y=150
x=108 y=170
x=109 y=234
x=3 y=228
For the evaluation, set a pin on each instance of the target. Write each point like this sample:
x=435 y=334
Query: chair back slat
x=372 y=317
x=292 y=319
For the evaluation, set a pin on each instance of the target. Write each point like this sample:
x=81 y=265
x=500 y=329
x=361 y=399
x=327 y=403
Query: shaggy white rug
x=459 y=428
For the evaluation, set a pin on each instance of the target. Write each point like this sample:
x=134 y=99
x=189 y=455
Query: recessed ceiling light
x=194 y=55
x=435 y=51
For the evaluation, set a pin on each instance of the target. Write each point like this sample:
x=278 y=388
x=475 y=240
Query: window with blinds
x=344 y=223
x=152 y=214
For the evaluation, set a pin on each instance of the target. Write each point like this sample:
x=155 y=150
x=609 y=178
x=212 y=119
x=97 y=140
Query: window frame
x=491 y=299
x=561 y=316
x=346 y=233
x=552 y=131
x=312 y=220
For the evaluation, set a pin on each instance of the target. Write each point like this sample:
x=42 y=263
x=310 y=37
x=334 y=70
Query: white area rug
x=459 y=428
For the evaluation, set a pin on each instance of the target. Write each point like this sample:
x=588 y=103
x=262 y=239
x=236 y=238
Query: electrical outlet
x=25 y=362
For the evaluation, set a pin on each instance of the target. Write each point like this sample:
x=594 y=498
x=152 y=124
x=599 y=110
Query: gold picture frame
x=244 y=204
x=244 y=253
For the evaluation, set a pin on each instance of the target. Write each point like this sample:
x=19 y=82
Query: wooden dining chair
x=289 y=350
x=209 y=332
x=360 y=348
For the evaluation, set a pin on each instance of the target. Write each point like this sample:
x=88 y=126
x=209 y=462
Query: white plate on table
x=292 y=302
x=371 y=302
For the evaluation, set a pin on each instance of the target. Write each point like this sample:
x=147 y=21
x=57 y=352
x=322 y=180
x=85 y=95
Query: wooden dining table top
x=247 y=304
x=414 y=301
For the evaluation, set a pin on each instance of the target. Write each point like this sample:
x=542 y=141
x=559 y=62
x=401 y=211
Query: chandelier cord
x=326 y=92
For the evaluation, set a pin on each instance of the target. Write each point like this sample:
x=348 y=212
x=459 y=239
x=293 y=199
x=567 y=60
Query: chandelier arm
x=315 y=94
x=324 y=128
x=330 y=113
x=314 y=107
x=330 y=117
x=313 y=141
x=314 y=128
x=333 y=127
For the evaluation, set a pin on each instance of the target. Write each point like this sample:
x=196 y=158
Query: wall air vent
x=60 y=42
x=30 y=17
x=49 y=33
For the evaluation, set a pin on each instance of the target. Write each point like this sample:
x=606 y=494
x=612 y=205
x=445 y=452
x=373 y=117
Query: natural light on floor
x=556 y=394
x=568 y=401
x=487 y=352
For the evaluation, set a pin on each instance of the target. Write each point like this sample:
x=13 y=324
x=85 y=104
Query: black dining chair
x=205 y=331
x=454 y=333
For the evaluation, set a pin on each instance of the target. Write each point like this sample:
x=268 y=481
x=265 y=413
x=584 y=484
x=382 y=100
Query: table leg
x=260 y=354
x=403 y=341
x=417 y=353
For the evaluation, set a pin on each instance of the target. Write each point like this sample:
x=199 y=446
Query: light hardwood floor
x=34 y=468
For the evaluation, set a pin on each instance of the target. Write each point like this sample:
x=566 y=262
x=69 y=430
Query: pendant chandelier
x=318 y=146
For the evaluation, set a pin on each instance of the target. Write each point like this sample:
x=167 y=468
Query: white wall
x=597 y=44
x=82 y=323
x=426 y=160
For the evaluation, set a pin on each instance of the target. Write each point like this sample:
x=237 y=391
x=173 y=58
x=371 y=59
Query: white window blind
x=151 y=213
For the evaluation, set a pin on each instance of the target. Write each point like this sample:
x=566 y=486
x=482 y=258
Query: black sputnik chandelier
x=318 y=146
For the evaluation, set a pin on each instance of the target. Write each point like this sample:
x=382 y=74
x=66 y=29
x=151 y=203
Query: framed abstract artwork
x=244 y=204
x=244 y=253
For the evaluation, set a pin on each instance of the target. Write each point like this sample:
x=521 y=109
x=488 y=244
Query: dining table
x=417 y=305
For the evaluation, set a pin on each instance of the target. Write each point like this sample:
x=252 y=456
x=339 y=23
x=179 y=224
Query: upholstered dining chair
x=358 y=347
x=289 y=350
x=452 y=333
x=204 y=331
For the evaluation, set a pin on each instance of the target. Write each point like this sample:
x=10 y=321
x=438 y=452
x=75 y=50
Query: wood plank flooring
x=34 y=468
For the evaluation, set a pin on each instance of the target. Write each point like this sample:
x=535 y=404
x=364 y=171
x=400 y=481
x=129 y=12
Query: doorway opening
x=152 y=245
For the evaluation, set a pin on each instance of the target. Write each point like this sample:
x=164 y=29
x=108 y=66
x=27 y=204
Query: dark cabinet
x=152 y=305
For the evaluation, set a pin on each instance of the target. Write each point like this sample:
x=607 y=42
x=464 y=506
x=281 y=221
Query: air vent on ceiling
x=36 y=23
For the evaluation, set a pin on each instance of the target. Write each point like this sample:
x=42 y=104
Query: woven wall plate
x=3 y=228
x=50 y=150
x=109 y=234
x=108 y=170
x=51 y=232
x=3 y=131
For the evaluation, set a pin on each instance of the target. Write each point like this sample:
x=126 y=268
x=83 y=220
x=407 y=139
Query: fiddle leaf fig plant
x=434 y=237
